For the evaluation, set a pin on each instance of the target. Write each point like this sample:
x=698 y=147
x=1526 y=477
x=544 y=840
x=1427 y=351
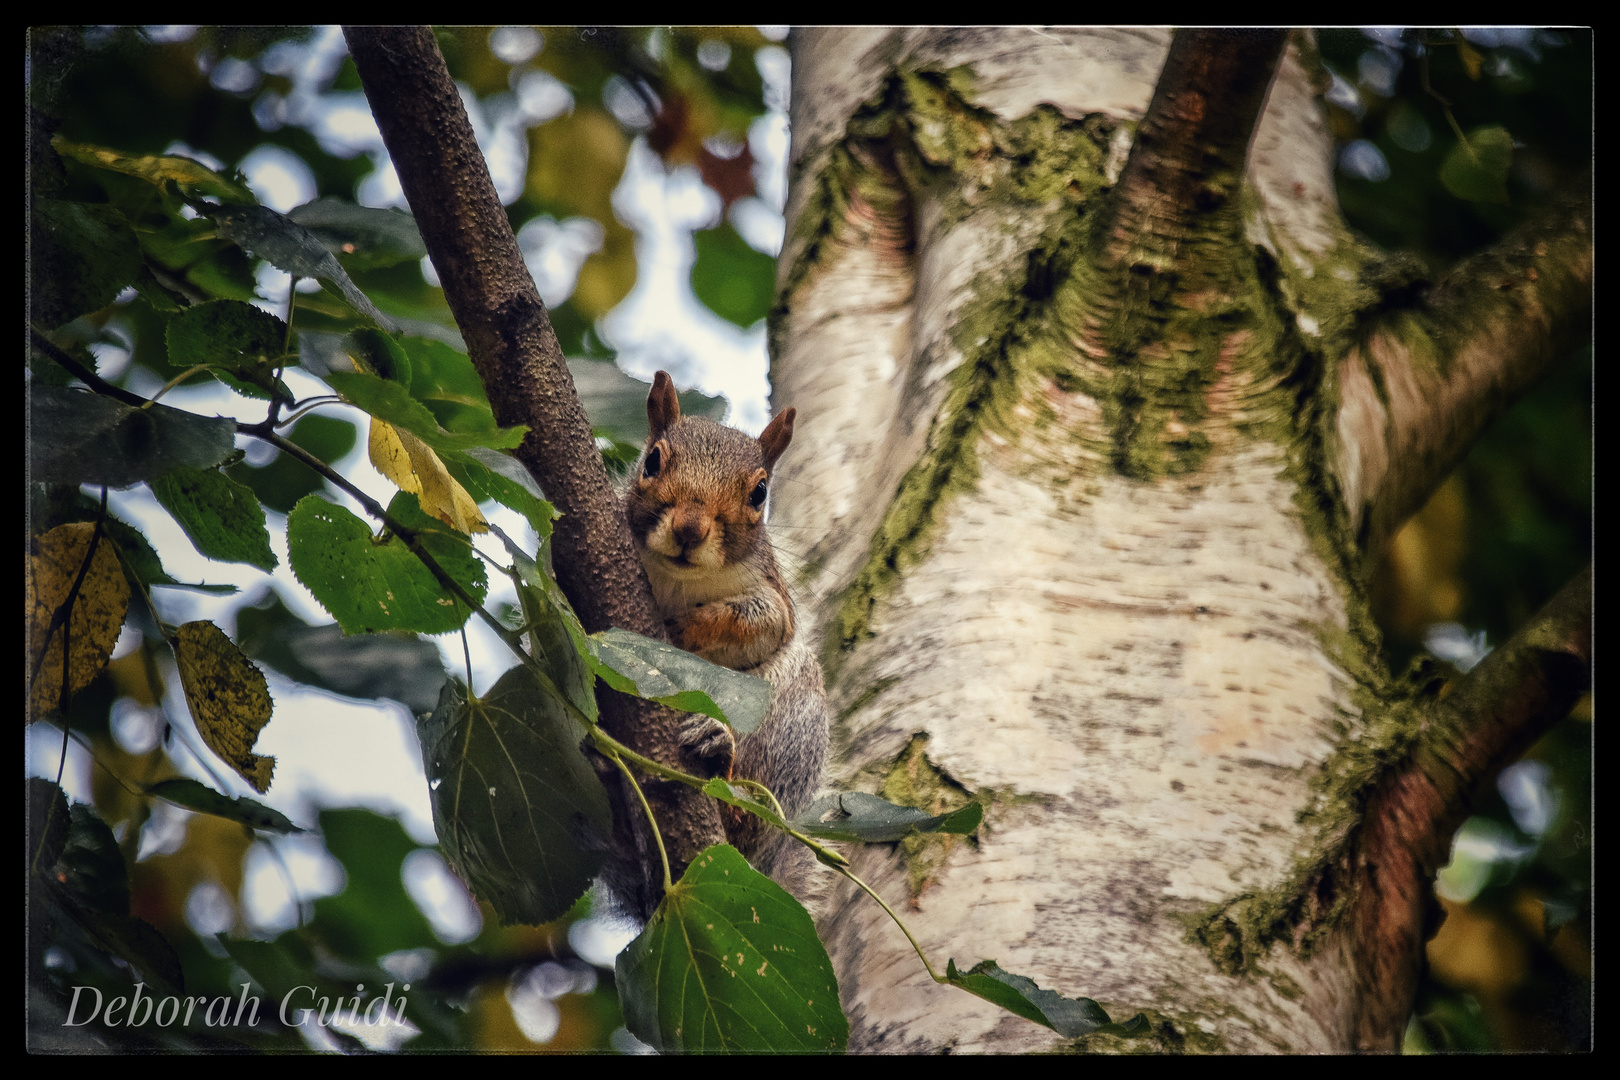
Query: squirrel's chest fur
x=678 y=589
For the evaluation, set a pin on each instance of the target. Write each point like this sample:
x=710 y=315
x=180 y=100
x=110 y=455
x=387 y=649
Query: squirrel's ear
x=663 y=407
x=776 y=436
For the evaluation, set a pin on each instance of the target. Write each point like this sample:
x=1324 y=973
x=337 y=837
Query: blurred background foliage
x=1510 y=968
x=561 y=108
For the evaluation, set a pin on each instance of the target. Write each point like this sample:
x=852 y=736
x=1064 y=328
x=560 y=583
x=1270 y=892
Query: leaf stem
x=609 y=746
x=663 y=856
x=850 y=874
x=308 y=405
x=195 y=369
x=466 y=657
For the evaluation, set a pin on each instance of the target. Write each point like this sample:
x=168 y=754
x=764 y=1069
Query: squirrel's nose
x=691 y=525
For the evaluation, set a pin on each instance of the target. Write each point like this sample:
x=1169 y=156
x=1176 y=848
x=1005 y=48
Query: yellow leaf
x=1470 y=57
x=413 y=466
x=154 y=168
x=228 y=698
x=97 y=615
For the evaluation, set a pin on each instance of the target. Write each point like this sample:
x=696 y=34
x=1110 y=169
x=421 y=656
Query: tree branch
x=1427 y=381
x=1492 y=715
x=511 y=343
x=1187 y=162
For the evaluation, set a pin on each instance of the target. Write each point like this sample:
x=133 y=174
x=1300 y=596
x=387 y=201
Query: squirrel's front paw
x=709 y=739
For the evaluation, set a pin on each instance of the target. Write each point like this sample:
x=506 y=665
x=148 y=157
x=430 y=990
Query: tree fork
x=1187 y=161
x=511 y=342
x=1422 y=389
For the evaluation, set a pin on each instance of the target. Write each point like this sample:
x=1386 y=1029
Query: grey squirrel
x=696 y=508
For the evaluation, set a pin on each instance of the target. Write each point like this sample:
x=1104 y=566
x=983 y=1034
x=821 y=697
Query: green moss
x=863 y=699
x=913 y=780
x=1166 y=1035
x=1157 y=343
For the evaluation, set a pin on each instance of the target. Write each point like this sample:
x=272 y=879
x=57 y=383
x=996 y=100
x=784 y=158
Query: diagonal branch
x=1187 y=162
x=1426 y=382
x=510 y=340
x=1495 y=712
x=1492 y=715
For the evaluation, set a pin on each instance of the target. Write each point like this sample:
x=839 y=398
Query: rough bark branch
x=1492 y=715
x=1187 y=162
x=511 y=343
x=1426 y=382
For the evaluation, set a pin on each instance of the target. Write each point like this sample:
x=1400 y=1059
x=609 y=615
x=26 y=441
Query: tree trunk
x=1083 y=530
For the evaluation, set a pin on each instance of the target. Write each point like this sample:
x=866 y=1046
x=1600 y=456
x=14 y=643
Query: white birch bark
x=1133 y=671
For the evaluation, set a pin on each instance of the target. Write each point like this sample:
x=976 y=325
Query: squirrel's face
x=697 y=501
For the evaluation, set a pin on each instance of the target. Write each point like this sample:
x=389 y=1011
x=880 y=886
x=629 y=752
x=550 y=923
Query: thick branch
x=1187 y=162
x=1489 y=719
x=511 y=342
x=1423 y=387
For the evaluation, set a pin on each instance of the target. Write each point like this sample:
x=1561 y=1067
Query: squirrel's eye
x=756 y=498
x=649 y=469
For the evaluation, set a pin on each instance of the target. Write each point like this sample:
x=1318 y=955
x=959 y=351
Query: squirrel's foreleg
x=738 y=632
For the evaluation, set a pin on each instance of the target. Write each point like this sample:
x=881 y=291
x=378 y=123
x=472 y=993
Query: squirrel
x=696 y=508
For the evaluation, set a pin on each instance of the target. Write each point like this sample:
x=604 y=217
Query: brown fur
x=695 y=506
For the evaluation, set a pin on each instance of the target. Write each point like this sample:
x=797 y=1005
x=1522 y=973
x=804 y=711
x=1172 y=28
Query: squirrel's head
x=697 y=495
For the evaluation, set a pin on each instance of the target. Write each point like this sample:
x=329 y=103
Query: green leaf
x=1069 y=1017
x=388 y=400
x=556 y=638
x=732 y=279
x=183 y=791
x=365 y=237
x=660 y=672
x=77 y=437
x=48 y=822
x=378 y=354
x=82 y=256
x=238 y=337
x=742 y=798
x=730 y=963
x=371 y=585
x=441 y=372
x=520 y=813
x=1478 y=169
x=490 y=474
x=287 y=245
x=89 y=884
x=222 y=518
x=159 y=169
x=406 y=668
x=373 y=915
x=140 y=561
x=855 y=815
x=287 y=970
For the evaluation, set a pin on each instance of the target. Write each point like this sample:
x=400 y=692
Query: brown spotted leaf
x=228 y=698
x=97 y=610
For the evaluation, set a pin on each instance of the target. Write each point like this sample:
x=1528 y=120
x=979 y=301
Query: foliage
x=157 y=250
x=150 y=264
x=1508 y=968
